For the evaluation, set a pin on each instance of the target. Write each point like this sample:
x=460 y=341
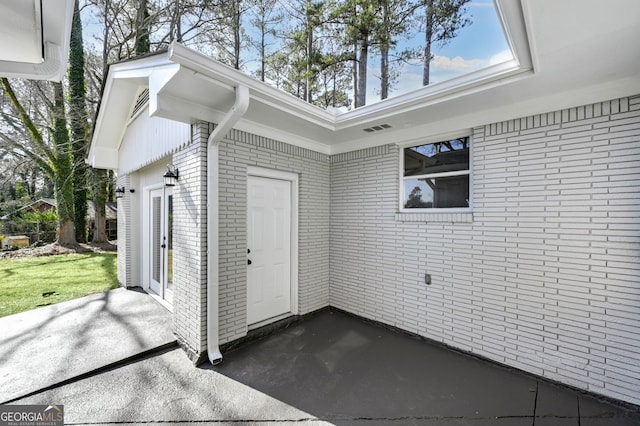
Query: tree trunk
x=66 y=232
x=384 y=52
x=178 y=22
x=143 y=44
x=62 y=180
x=263 y=52
x=100 y=227
x=361 y=98
x=32 y=183
x=175 y=28
x=105 y=39
x=384 y=72
x=100 y=180
x=236 y=34
x=427 y=45
x=335 y=88
x=355 y=72
x=78 y=124
x=307 y=83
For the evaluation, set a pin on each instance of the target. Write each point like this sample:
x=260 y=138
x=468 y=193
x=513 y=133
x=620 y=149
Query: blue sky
x=478 y=45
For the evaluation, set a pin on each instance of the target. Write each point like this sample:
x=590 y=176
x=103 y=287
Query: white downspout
x=228 y=121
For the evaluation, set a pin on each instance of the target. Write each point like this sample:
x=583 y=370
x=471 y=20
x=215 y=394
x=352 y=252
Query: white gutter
x=52 y=68
x=213 y=204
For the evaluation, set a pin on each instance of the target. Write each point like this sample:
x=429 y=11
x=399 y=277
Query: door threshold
x=269 y=321
x=160 y=300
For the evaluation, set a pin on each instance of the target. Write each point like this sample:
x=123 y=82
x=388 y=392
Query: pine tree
x=443 y=20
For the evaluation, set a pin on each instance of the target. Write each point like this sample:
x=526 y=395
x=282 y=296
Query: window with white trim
x=436 y=175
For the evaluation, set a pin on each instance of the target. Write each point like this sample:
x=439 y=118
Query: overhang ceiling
x=34 y=38
x=568 y=53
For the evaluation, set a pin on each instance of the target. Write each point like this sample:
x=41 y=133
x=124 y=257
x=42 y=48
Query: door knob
x=248 y=261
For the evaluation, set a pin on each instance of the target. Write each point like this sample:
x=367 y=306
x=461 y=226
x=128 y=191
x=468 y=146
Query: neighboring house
x=520 y=243
x=40 y=205
x=46 y=204
x=111 y=219
x=34 y=38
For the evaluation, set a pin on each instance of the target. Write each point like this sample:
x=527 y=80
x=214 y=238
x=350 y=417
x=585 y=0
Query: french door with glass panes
x=161 y=242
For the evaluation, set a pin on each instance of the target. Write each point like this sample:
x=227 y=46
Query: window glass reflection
x=443 y=192
x=439 y=157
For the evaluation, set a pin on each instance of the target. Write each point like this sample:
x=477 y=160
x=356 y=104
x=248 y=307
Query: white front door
x=269 y=248
x=161 y=242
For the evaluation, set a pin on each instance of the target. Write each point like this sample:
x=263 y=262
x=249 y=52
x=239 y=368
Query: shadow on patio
x=56 y=343
x=348 y=371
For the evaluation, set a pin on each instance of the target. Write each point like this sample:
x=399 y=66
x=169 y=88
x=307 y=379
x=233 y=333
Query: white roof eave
x=208 y=69
x=188 y=86
x=57 y=17
x=121 y=88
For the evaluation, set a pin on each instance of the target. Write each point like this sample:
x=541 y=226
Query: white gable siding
x=127 y=235
x=133 y=217
x=543 y=276
x=149 y=139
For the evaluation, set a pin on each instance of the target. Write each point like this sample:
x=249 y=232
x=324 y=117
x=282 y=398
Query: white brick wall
x=237 y=152
x=544 y=275
x=190 y=239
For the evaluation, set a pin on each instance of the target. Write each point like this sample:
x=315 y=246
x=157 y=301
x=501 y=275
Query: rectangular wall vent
x=377 y=128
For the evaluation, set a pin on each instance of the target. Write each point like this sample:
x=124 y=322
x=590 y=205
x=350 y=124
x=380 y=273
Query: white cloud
x=457 y=63
x=500 y=57
x=443 y=68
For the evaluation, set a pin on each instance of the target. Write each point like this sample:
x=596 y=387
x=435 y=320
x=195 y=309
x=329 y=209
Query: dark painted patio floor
x=346 y=371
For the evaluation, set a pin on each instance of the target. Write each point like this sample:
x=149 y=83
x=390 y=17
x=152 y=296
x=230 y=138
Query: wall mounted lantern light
x=171 y=176
x=120 y=192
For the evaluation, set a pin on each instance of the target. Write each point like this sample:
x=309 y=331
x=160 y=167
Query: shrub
x=37 y=225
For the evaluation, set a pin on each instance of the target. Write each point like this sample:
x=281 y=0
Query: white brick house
x=530 y=237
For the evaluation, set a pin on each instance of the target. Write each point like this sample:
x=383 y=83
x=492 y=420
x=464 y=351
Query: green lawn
x=27 y=283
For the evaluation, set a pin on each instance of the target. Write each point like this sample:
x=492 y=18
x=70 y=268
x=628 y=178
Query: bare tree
x=51 y=149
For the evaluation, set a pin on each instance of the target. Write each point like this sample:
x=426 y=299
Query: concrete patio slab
x=340 y=367
x=351 y=369
x=52 y=344
x=166 y=388
x=331 y=368
x=556 y=401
